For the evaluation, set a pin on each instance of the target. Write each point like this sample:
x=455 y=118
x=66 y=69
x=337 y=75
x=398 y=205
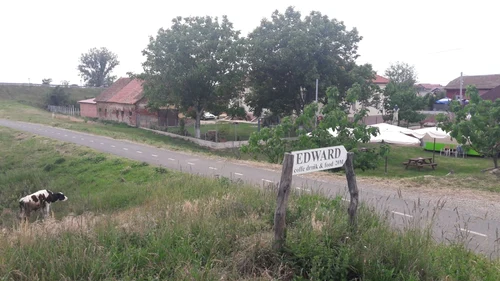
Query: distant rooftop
x=89 y=101
x=482 y=82
x=380 y=80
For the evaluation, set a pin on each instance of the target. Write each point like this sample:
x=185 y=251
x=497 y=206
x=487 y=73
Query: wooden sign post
x=307 y=161
x=283 y=193
x=353 y=188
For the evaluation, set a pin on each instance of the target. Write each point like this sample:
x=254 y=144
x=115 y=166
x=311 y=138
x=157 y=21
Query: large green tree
x=273 y=143
x=476 y=124
x=96 y=66
x=401 y=92
x=287 y=54
x=195 y=64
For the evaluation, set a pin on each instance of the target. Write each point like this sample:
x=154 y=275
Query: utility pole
x=461 y=83
x=317 y=110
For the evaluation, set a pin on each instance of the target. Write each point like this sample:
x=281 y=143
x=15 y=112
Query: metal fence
x=67 y=110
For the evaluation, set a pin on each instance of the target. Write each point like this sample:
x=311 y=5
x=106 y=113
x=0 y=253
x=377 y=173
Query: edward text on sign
x=312 y=160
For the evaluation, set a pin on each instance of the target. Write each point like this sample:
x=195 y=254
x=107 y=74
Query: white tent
x=387 y=133
x=384 y=127
x=395 y=138
x=433 y=132
x=394 y=134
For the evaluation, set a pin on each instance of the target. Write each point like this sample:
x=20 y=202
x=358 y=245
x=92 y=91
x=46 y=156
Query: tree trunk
x=197 y=124
x=495 y=161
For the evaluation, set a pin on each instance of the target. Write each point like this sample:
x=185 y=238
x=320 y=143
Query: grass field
x=126 y=220
x=35 y=95
x=466 y=171
x=400 y=154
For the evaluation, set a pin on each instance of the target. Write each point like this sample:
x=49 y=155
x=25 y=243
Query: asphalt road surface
x=448 y=224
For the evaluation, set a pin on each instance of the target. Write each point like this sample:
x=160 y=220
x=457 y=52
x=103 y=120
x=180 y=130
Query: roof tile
x=492 y=94
x=124 y=91
x=380 y=80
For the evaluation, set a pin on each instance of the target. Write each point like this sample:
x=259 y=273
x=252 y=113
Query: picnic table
x=420 y=162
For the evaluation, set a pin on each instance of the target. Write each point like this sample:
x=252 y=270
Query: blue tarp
x=448 y=100
x=443 y=101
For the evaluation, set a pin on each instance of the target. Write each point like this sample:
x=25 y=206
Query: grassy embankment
x=35 y=95
x=125 y=220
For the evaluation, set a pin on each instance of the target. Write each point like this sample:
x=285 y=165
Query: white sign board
x=313 y=160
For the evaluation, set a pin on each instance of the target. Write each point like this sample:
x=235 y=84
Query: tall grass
x=125 y=220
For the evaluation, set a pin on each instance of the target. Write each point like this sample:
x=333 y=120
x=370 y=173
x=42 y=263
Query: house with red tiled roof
x=124 y=101
x=492 y=94
x=380 y=80
x=374 y=113
x=483 y=83
x=426 y=88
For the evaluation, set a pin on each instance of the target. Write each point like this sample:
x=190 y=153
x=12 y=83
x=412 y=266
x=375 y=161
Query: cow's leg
x=46 y=211
x=23 y=213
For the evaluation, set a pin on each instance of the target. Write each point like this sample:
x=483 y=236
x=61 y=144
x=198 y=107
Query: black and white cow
x=39 y=200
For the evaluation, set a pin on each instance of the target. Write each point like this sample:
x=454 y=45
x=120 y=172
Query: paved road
x=447 y=224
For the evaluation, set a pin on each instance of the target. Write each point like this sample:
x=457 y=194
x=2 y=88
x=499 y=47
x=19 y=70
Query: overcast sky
x=441 y=38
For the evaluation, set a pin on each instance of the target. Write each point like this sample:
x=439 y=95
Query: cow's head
x=56 y=196
x=60 y=196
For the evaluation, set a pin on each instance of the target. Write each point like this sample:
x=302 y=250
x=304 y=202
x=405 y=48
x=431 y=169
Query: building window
x=122 y=113
x=130 y=113
x=100 y=110
x=106 y=112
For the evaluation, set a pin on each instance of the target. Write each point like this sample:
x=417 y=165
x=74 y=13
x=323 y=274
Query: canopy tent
x=433 y=132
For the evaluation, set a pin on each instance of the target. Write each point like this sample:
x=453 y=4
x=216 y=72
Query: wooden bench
x=419 y=165
x=433 y=165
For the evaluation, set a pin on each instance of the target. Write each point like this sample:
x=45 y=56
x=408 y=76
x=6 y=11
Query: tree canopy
x=476 y=124
x=273 y=142
x=401 y=92
x=57 y=96
x=287 y=54
x=46 y=81
x=197 y=63
x=96 y=66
